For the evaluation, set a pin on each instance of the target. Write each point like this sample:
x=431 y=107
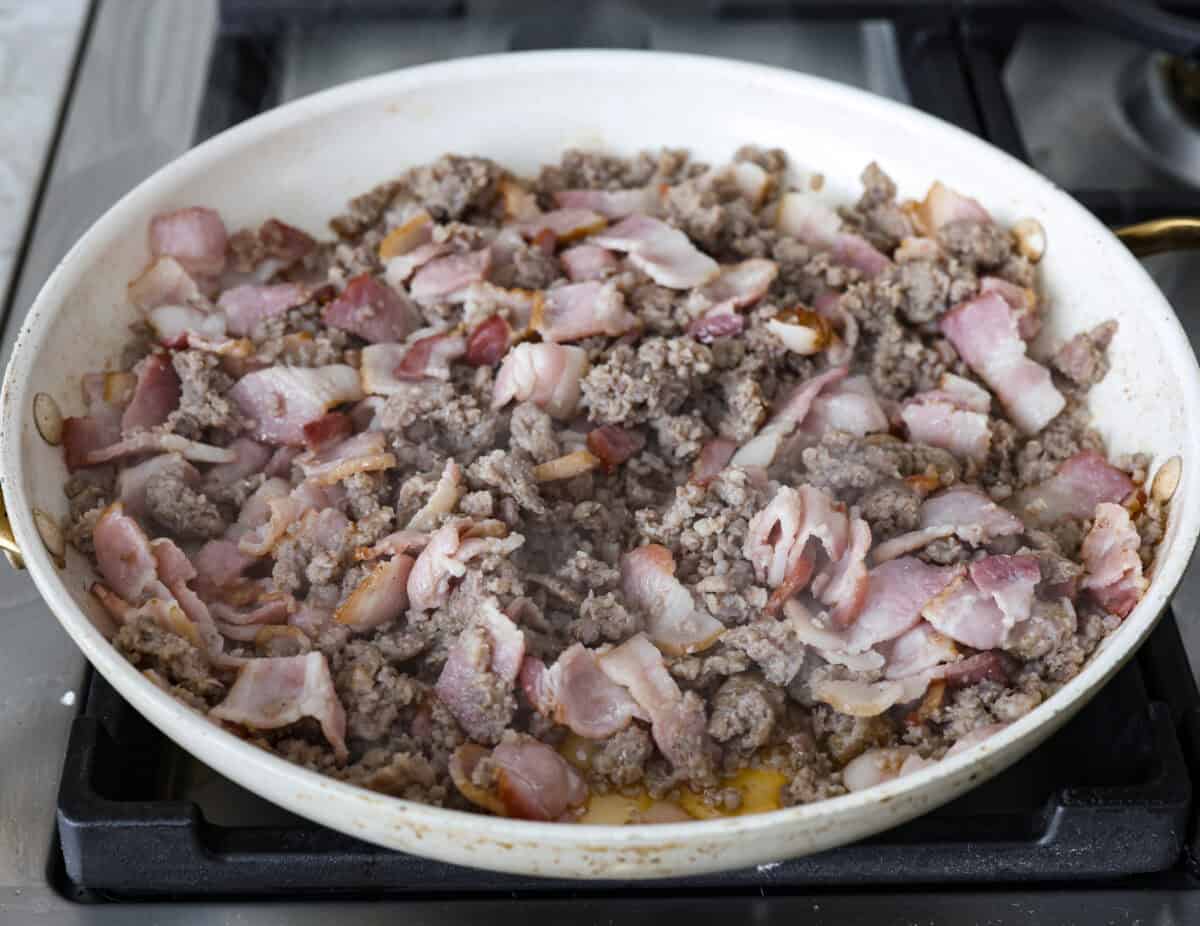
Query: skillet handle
x=1161 y=235
x=8 y=544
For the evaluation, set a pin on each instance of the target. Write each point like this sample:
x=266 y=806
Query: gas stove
x=104 y=821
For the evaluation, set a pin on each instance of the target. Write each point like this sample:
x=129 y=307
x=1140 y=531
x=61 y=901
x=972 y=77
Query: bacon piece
x=896 y=593
x=442 y=500
x=546 y=374
x=858 y=699
x=980 y=611
x=373 y=311
x=443 y=559
x=331 y=428
x=984 y=332
x=847 y=405
x=965 y=434
x=943 y=205
x=751 y=180
x=403 y=266
x=918 y=650
x=611 y=204
x=714 y=457
x=284 y=242
x=564 y=224
x=173 y=325
x=1110 y=554
x=1022 y=300
x=761 y=449
x=123 y=555
x=534 y=782
x=613 y=445
x=395 y=543
x=588 y=262
x=493 y=646
x=805 y=217
x=673 y=621
x=970 y=515
x=362 y=453
x=443 y=279
x=164 y=282
x=708 y=328
x=875 y=766
x=777 y=540
x=220 y=564
x=1081 y=483
x=133 y=481
x=273 y=509
x=248 y=306
x=159 y=442
x=580 y=310
x=737 y=286
x=195 y=237
x=155 y=396
x=832 y=646
x=661 y=252
x=677 y=722
x=380 y=598
x=577 y=694
x=851 y=250
x=407 y=237
x=430 y=357
x=275 y=692
x=489 y=342
x=282 y=400
x=842 y=585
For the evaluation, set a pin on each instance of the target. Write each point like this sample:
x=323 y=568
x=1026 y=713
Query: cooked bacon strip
x=220 y=564
x=176 y=571
x=284 y=242
x=442 y=501
x=588 y=262
x=580 y=310
x=966 y=434
x=677 y=723
x=737 y=286
x=1022 y=300
x=957 y=512
x=777 y=540
x=842 y=585
x=761 y=449
x=275 y=692
x=530 y=781
x=444 y=557
x=661 y=252
x=173 y=325
x=493 y=646
x=804 y=216
x=1110 y=554
x=875 y=766
x=400 y=268
x=123 y=555
x=242 y=622
x=373 y=311
x=489 y=342
x=611 y=204
x=362 y=453
x=430 y=357
x=979 y=611
x=577 y=694
x=847 y=405
x=444 y=278
x=962 y=393
x=248 y=306
x=831 y=645
x=896 y=592
x=1081 y=483
x=159 y=442
x=943 y=205
x=164 y=282
x=380 y=598
x=918 y=650
x=858 y=699
x=395 y=543
x=415 y=231
x=564 y=224
x=331 y=428
x=672 y=619
x=282 y=400
x=269 y=512
x=195 y=237
x=708 y=328
x=714 y=457
x=613 y=445
x=546 y=374
x=984 y=331
x=155 y=396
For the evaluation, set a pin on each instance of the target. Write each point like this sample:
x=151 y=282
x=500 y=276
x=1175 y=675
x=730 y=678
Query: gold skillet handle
x=8 y=543
x=1161 y=235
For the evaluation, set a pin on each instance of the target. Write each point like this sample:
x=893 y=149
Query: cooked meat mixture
x=644 y=480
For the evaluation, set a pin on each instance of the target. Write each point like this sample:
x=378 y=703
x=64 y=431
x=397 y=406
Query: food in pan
x=639 y=491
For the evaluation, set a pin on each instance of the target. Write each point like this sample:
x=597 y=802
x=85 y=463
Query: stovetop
x=1096 y=826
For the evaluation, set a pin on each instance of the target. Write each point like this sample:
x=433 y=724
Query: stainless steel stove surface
x=153 y=78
